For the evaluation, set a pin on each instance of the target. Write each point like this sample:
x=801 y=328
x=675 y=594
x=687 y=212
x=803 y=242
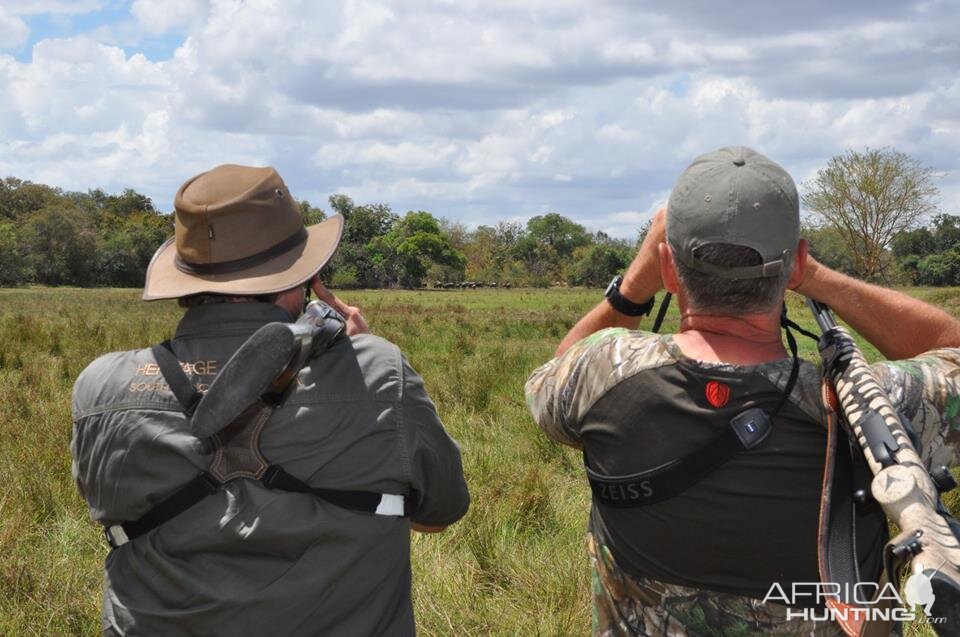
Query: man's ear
x=668 y=271
x=799 y=265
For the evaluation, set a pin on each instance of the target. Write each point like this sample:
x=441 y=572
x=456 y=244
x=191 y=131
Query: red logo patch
x=717 y=393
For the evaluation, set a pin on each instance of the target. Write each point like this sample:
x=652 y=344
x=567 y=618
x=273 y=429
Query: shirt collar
x=229 y=318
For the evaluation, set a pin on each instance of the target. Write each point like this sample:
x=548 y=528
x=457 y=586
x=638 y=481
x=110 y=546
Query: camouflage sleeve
x=561 y=392
x=926 y=390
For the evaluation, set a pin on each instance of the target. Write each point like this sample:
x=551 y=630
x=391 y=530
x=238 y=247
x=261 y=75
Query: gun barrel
x=822 y=314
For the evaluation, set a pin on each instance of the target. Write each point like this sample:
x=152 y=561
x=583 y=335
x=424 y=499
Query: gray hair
x=734 y=297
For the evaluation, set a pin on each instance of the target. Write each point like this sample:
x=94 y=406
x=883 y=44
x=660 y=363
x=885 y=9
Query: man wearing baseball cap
x=705 y=449
x=266 y=527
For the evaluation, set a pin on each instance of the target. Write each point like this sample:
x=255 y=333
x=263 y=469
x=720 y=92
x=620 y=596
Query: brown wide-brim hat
x=238 y=231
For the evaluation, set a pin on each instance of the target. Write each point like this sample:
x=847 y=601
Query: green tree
x=548 y=246
x=919 y=242
x=61 y=245
x=946 y=232
x=481 y=254
x=827 y=245
x=363 y=224
x=128 y=202
x=558 y=232
x=490 y=252
x=19 y=198
x=311 y=215
x=927 y=256
x=414 y=244
x=942 y=268
x=869 y=197
x=642 y=232
x=456 y=233
x=14 y=269
x=127 y=245
x=341 y=204
x=595 y=265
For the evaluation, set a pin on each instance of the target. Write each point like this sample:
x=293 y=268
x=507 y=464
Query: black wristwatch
x=624 y=305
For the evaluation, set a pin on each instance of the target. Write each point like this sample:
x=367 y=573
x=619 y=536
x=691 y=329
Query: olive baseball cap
x=737 y=196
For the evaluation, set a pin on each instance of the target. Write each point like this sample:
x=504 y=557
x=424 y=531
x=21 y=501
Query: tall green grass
x=516 y=565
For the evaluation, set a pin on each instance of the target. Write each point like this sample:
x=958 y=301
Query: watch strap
x=624 y=305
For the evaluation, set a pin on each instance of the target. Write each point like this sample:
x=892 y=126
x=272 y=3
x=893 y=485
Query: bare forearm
x=898 y=325
x=641 y=282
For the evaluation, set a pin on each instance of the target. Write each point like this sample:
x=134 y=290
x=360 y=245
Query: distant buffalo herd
x=469 y=285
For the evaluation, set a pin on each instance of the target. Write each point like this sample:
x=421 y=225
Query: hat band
x=762 y=271
x=245 y=263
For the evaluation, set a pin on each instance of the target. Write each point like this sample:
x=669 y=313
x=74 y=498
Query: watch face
x=614 y=286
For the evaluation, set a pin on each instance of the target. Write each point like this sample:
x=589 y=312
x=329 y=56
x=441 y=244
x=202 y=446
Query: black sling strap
x=838 y=535
x=176 y=378
x=746 y=431
x=205 y=484
x=276 y=477
x=170 y=507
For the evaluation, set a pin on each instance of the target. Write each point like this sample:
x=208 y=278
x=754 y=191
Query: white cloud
x=475 y=110
x=403 y=156
x=79 y=85
x=13 y=30
x=156 y=18
x=629 y=216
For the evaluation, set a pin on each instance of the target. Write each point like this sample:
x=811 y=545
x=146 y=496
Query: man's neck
x=740 y=340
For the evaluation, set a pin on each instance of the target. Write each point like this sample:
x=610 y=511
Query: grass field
x=514 y=566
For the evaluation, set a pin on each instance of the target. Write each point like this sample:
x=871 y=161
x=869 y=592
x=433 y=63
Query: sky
x=475 y=110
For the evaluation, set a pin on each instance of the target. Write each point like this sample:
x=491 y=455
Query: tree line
x=52 y=237
x=869 y=210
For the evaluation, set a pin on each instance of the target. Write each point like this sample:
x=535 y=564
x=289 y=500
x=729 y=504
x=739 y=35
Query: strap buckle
x=391 y=504
x=116 y=536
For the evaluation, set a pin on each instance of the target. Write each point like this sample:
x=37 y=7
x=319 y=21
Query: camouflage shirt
x=561 y=394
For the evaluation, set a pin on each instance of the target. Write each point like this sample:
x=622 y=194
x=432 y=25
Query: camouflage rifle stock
x=908 y=493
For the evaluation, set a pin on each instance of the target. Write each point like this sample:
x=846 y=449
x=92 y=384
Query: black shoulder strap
x=205 y=484
x=275 y=477
x=176 y=378
x=170 y=507
x=747 y=430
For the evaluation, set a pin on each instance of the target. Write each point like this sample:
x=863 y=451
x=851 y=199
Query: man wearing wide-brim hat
x=202 y=540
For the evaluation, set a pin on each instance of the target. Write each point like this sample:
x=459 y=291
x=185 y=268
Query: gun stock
x=264 y=367
x=901 y=483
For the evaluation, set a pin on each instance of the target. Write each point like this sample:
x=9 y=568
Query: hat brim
x=290 y=269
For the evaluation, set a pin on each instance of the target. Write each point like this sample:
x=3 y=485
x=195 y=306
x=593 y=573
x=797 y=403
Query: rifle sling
x=837 y=554
x=180 y=384
x=836 y=546
x=205 y=484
